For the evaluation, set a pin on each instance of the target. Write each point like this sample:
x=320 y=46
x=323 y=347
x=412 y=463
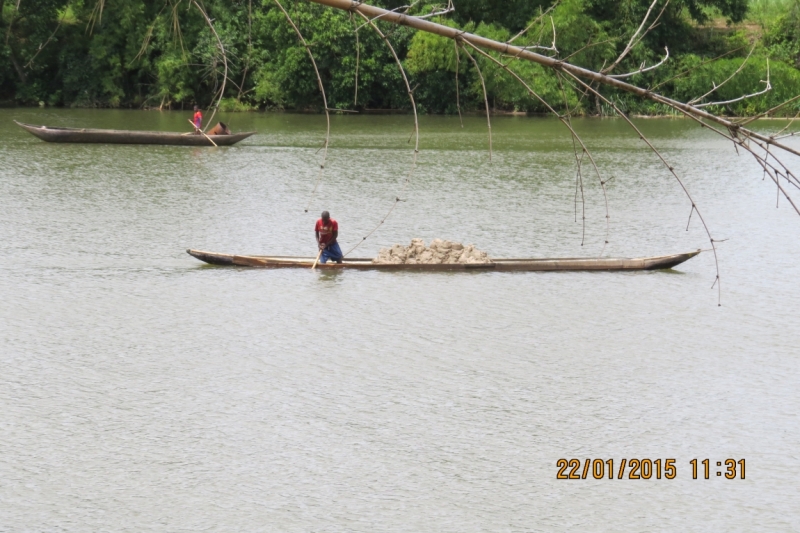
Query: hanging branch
x=176 y=28
x=416 y=132
x=642 y=68
x=671 y=169
x=324 y=102
x=564 y=121
x=485 y=100
x=29 y=64
x=221 y=48
x=96 y=15
x=458 y=98
x=358 y=62
x=147 y=37
x=249 y=48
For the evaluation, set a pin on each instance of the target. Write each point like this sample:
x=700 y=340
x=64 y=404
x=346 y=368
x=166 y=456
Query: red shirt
x=326 y=230
x=198 y=119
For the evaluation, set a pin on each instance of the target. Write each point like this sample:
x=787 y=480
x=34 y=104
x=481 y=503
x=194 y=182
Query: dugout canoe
x=86 y=135
x=524 y=265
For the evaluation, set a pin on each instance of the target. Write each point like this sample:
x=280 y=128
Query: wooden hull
x=83 y=135
x=502 y=265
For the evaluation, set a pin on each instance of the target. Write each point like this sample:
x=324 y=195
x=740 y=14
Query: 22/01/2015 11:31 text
x=644 y=469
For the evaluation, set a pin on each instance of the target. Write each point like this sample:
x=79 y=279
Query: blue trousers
x=331 y=252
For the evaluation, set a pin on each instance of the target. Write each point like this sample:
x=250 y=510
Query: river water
x=142 y=390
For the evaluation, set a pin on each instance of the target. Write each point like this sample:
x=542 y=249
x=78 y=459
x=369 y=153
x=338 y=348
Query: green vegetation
x=161 y=53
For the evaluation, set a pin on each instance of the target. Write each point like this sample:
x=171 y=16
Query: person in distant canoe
x=197 y=120
x=327 y=230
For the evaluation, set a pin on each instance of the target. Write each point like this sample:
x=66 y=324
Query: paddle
x=204 y=133
x=317 y=259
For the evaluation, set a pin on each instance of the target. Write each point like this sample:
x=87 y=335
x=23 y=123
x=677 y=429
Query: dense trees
x=161 y=53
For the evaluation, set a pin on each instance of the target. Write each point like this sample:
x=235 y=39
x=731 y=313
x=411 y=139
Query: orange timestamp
x=644 y=468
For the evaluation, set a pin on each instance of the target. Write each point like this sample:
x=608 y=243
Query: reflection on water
x=142 y=390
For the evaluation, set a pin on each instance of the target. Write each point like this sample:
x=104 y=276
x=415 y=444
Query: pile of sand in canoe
x=439 y=252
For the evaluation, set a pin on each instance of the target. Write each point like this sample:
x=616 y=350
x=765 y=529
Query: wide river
x=142 y=390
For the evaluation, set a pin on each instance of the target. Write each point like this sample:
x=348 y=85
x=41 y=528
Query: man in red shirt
x=327 y=230
x=197 y=120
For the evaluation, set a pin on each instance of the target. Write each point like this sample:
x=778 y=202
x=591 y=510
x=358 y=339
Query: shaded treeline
x=160 y=53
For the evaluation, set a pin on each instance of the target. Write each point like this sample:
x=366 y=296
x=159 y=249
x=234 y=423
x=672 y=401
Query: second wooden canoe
x=86 y=135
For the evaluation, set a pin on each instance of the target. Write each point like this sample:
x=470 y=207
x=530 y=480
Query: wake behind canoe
x=85 y=135
x=522 y=265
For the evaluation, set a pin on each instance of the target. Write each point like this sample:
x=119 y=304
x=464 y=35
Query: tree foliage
x=160 y=53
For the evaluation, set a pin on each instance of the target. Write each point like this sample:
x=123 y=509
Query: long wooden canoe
x=531 y=265
x=85 y=135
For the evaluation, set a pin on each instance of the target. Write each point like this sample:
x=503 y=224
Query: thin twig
x=691 y=69
x=729 y=78
x=405 y=8
x=552 y=47
x=485 y=100
x=458 y=97
x=717 y=281
x=221 y=47
x=413 y=168
x=449 y=9
x=642 y=67
x=324 y=102
x=563 y=120
x=746 y=96
x=358 y=63
x=29 y=64
x=535 y=21
x=589 y=44
x=635 y=38
x=770 y=111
